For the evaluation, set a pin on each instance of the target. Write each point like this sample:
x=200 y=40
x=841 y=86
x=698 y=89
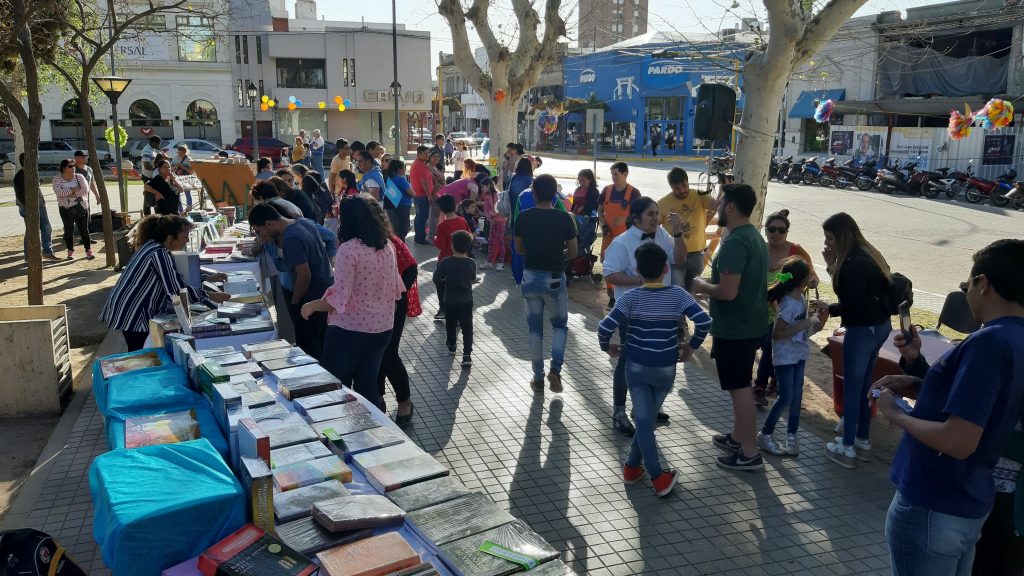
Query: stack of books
x=384 y=554
x=300 y=381
x=251 y=551
x=447 y=522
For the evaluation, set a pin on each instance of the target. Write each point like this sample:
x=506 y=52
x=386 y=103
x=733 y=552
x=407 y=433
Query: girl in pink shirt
x=360 y=305
x=496 y=239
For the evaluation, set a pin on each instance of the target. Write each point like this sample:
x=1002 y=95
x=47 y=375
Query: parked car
x=269 y=147
x=134 y=150
x=51 y=152
x=456 y=136
x=199 y=149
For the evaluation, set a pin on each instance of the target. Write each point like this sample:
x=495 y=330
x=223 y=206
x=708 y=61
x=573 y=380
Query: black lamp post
x=396 y=88
x=113 y=87
x=252 y=93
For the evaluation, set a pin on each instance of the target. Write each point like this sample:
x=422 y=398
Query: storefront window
x=301 y=73
x=664 y=107
x=815 y=136
x=144 y=113
x=196 y=42
x=289 y=122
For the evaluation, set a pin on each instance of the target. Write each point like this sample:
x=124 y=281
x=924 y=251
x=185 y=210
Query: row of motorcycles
x=907 y=179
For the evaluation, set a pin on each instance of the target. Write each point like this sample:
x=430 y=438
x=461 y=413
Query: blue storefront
x=649 y=87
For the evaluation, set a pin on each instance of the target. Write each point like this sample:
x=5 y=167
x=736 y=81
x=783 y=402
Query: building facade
x=894 y=80
x=181 y=86
x=606 y=22
x=645 y=82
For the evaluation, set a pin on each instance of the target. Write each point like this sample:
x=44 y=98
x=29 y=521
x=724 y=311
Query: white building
x=316 y=61
x=181 y=86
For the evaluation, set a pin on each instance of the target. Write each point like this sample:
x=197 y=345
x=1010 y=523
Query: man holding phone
x=693 y=210
x=969 y=405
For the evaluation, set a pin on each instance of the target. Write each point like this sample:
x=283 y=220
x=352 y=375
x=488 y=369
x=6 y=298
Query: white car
x=456 y=136
x=198 y=149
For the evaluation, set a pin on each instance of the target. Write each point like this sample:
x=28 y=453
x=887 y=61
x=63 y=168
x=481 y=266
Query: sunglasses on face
x=965 y=286
x=776 y=230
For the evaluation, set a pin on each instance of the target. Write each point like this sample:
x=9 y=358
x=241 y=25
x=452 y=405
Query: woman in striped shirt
x=150 y=279
x=72 y=190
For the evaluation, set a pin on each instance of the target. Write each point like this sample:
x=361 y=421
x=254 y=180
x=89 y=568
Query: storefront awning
x=809 y=100
x=936 y=106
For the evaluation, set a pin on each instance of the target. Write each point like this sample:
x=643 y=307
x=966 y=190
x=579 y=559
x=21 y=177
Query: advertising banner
x=864 y=143
x=911 y=145
x=998 y=149
x=841 y=143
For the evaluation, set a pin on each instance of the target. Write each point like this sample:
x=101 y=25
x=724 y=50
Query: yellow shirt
x=693 y=211
x=298 y=153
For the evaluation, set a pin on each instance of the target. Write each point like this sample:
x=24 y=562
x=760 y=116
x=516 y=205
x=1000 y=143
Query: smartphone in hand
x=905 y=322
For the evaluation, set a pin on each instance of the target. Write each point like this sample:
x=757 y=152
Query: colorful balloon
x=960 y=124
x=264 y=107
x=272 y=103
x=264 y=98
x=298 y=102
x=321 y=105
x=823 y=112
x=337 y=100
x=347 y=102
x=341 y=107
x=996 y=114
x=291 y=105
x=291 y=99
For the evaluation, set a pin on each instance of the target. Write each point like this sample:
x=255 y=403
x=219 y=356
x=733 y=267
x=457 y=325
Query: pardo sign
x=410 y=96
x=666 y=74
x=588 y=76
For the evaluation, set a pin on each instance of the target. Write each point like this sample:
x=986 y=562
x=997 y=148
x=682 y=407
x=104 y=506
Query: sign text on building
x=410 y=96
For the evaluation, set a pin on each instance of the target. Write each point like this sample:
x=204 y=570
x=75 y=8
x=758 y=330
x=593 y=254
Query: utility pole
x=396 y=88
x=440 y=93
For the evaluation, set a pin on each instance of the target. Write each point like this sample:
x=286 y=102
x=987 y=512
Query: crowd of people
x=350 y=282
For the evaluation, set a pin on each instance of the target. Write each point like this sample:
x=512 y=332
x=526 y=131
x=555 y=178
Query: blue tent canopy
x=809 y=100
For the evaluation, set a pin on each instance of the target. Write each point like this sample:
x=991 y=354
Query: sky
x=693 y=16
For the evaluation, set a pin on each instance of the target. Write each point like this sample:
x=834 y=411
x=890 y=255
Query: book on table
x=298 y=503
x=287 y=435
x=309 y=472
x=297 y=388
x=422 y=569
x=456 y=519
x=262 y=356
x=507 y=549
x=251 y=368
x=126 y=364
x=374 y=556
x=252 y=552
x=258 y=398
x=230 y=359
x=154 y=429
x=394 y=475
x=346 y=425
x=357 y=511
x=250 y=349
x=273 y=409
x=287 y=362
x=336 y=411
x=308 y=537
x=258 y=482
x=253 y=442
x=367 y=460
x=306 y=403
x=298 y=453
x=363 y=441
x=429 y=493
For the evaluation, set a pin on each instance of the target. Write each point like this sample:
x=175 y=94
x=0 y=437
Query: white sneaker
x=500 y=267
x=768 y=444
x=792 y=446
x=862 y=448
x=845 y=456
x=485 y=266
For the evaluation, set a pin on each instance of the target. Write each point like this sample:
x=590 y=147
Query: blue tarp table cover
x=157 y=506
x=101 y=385
x=152 y=391
x=208 y=427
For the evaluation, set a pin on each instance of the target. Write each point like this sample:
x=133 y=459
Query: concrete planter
x=35 y=366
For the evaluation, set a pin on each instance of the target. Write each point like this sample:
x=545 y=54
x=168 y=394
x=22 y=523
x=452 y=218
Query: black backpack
x=900 y=290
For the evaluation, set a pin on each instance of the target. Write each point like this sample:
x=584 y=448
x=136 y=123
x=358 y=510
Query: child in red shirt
x=443 y=241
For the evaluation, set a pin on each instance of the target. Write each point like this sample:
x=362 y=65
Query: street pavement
x=929 y=241
x=553 y=461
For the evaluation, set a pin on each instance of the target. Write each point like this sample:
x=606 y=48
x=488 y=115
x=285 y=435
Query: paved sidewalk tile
x=554 y=461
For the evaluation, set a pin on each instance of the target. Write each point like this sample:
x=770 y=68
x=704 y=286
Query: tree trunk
x=90 y=144
x=30 y=137
x=504 y=119
x=764 y=83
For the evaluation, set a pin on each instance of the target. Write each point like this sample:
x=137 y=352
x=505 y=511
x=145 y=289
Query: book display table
x=326 y=479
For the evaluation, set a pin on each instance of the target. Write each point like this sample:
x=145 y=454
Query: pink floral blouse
x=366 y=285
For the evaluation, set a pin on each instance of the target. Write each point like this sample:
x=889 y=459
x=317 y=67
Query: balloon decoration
x=337 y=100
x=264 y=107
x=499 y=95
x=264 y=98
x=347 y=103
x=122 y=136
x=823 y=113
x=321 y=105
x=960 y=124
x=272 y=103
x=547 y=122
x=342 y=108
x=996 y=114
x=291 y=99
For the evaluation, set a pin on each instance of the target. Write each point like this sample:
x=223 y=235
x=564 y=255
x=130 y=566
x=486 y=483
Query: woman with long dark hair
x=586 y=196
x=522 y=179
x=287 y=190
x=360 y=305
x=398 y=215
x=150 y=277
x=392 y=368
x=860 y=276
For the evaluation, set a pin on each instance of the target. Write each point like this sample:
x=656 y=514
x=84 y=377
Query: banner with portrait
x=868 y=144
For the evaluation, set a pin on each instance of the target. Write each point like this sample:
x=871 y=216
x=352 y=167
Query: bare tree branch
x=822 y=27
x=453 y=13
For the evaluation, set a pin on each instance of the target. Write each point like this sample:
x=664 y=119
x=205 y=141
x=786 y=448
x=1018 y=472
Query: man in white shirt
x=149 y=171
x=620 y=271
x=82 y=167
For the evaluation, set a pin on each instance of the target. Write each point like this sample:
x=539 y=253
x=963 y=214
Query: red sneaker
x=632 y=474
x=664 y=483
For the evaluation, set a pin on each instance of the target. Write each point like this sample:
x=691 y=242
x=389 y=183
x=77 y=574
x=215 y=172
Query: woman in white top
x=459 y=158
x=316 y=147
x=72 y=192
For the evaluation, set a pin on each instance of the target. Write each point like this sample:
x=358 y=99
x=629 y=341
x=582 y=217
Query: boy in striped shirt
x=651 y=314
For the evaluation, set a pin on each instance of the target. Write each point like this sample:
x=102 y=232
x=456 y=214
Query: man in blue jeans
x=542 y=234
x=45 y=231
x=967 y=406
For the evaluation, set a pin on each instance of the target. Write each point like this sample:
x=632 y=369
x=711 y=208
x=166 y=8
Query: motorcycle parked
x=810 y=172
x=979 y=189
x=796 y=170
x=780 y=168
x=863 y=176
x=833 y=175
x=893 y=179
x=1016 y=195
x=942 y=181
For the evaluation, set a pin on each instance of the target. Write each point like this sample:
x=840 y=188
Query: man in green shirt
x=739 y=305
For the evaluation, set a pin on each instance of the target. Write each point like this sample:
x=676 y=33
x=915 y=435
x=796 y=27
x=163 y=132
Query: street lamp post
x=113 y=87
x=252 y=93
x=396 y=88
